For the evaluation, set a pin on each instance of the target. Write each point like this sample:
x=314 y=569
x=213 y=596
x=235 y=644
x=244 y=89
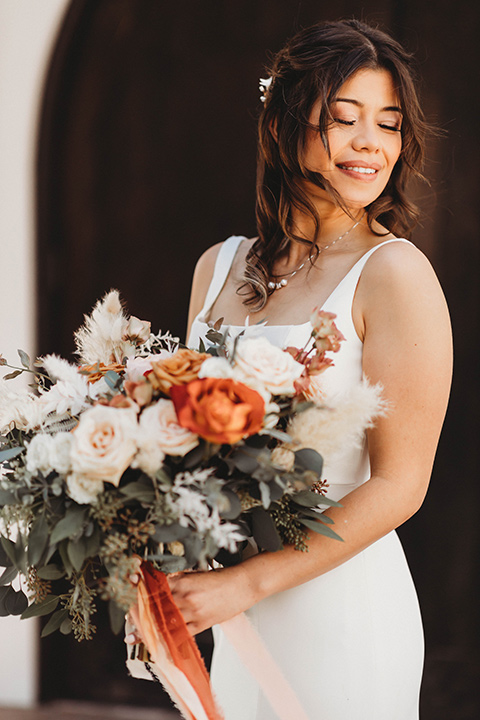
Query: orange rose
x=181 y=368
x=221 y=410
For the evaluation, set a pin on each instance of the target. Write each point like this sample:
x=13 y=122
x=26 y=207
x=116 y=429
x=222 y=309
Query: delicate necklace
x=272 y=285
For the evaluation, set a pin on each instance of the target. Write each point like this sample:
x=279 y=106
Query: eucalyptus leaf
x=138 y=491
x=170 y=533
x=112 y=379
x=24 y=359
x=201 y=346
x=10 y=453
x=116 y=616
x=63 y=550
x=77 y=552
x=169 y=563
x=16 y=602
x=234 y=505
x=320 y=528
x=8 y=552
x=37 y=539
x=314 y=515
x=193 y=548
x=20 y=554
x=7 y=498
x=309 y=459
x=51 y=572
x=66 y=627
x=54 y=622
x=42 y=608
x=308 y=498
x=70 y=524
x=265 y=494
x=245 y=461
x=9 y=574
x=279 y=435
x=4 y=594
x=264 y=531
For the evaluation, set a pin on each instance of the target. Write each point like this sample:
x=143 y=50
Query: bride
x=340 y=134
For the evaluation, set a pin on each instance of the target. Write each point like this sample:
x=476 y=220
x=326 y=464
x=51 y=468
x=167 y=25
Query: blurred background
x=127 y=138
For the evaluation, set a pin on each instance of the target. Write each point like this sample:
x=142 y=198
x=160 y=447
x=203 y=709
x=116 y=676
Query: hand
x=209 y=598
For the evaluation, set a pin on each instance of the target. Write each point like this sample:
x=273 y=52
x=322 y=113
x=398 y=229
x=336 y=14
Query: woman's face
x=364 y=137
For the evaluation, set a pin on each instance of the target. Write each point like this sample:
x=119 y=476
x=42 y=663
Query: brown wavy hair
x=313 y=65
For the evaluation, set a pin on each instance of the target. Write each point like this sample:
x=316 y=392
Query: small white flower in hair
x=264 y=84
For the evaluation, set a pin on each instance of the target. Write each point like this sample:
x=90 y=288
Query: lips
x=359 y=169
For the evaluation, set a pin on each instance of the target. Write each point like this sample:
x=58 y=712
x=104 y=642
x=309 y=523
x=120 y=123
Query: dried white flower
x=102 y=337
x=339 y=422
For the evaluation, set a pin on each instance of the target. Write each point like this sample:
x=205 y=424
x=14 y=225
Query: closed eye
x=344 y=122
x=395 y=128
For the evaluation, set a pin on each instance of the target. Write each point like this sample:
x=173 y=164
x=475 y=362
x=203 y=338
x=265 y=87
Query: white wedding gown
x=350 y=642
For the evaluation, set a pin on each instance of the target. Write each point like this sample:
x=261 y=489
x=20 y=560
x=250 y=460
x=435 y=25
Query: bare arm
x=407 y=347
x=201 y=280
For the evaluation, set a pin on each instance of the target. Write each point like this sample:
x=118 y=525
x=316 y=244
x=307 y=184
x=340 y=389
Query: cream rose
x=258 y=360
x=160 y=435
x=104 y=443
x=83 y=488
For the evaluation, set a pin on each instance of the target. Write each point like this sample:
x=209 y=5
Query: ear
x=273 y=129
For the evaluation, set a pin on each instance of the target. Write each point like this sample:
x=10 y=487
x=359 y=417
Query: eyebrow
x=388 y=108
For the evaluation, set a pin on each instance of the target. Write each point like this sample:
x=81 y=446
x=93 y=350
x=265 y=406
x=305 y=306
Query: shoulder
x=398 y=267
x=398 y=279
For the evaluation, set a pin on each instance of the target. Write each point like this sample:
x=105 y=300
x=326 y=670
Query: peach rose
x=104 y=443
x=181 y=368
x=221 y=410
x=256 y=359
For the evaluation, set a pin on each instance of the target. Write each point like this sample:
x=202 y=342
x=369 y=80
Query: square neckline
x=201 y=316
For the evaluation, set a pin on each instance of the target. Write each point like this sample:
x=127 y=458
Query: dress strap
x=223 y=263
x=351 y=279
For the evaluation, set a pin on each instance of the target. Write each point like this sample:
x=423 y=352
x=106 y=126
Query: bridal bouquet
x=147 y=450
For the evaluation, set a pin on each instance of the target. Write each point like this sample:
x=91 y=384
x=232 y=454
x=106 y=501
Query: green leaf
x=246 y=462
x=279 y=435
x=55 y=621
x=9 y=551
x=320 y=528
x=77 y=552
x=5 y=592
x=12 y=375
x=265 y=494
x=37 y=539
x=138 y=491
x=66 y=627
x=117 y=617
x=42 y=608
x=201 y=346
x=9 y=574
x=16 y=602
x=234 y=505
x=309 y=459
x=20 y=554
x=51 y=572
x=112 y=379
x=10 y=453
x=24 y=359
x=170 y=533
x=169 y=563
x=69 y=525
x=308 y=498
x=63 y=550
x=264 y=531
x=7 y=498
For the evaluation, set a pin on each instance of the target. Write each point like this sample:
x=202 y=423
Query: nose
x=366 y=137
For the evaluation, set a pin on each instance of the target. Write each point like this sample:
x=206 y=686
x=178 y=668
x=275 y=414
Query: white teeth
x=363 y=170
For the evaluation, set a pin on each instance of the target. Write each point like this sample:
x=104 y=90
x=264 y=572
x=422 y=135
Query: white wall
x=27 y=30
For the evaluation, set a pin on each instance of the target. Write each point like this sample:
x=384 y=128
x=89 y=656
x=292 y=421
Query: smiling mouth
x=358 y=169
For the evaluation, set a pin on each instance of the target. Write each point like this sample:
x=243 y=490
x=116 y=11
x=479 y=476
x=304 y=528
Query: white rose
x=275 y=369
x=104 y=443
x=160 y=435
x=60 y=449
x=83 y=489
x=38 y=454
x=216 y=367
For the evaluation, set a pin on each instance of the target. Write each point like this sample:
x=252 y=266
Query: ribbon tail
x=178 y=662
x=258 y=661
